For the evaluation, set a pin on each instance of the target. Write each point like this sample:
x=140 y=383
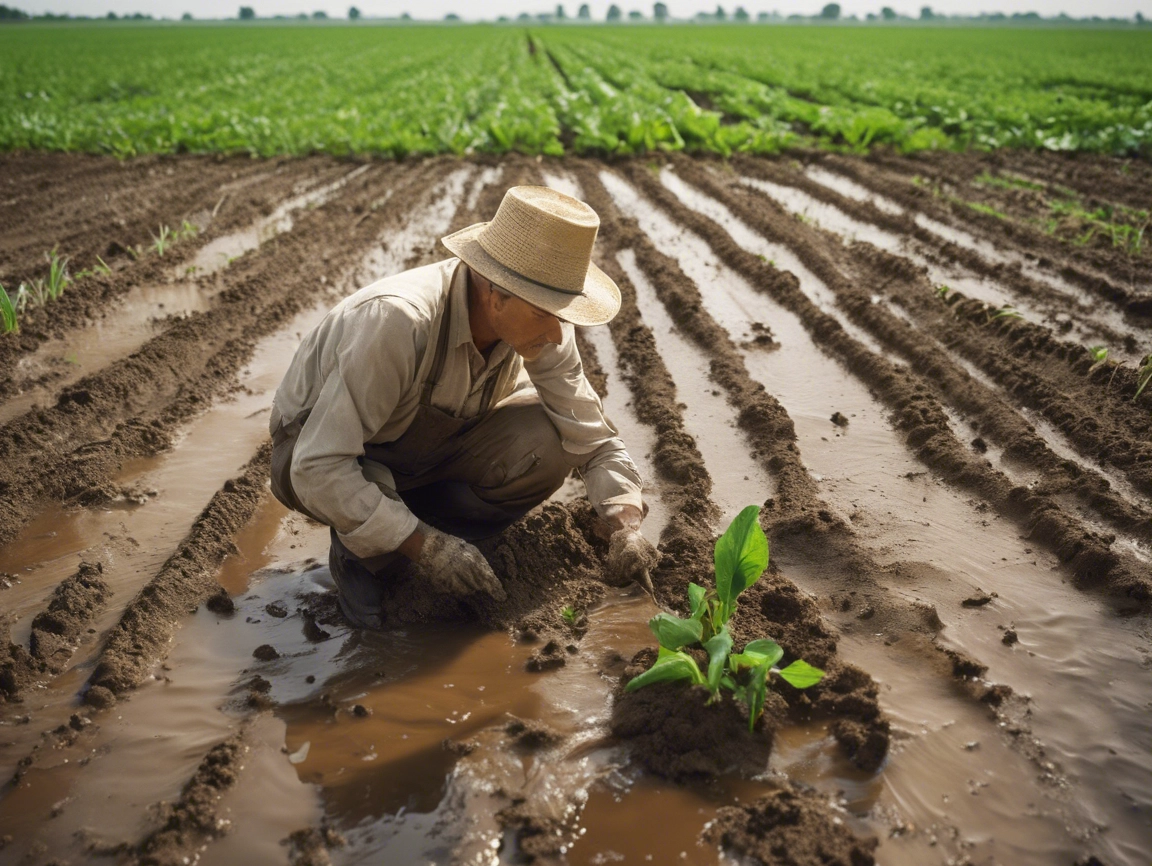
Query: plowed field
x=889 y=354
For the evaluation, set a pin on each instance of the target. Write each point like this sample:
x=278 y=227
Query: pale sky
x=490 y=9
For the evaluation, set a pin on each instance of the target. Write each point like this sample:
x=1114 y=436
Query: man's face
x=527 y=329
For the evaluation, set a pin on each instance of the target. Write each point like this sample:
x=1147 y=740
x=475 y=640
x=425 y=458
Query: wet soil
x=251 y=724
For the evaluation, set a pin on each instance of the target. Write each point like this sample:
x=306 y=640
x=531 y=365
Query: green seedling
x=1004 y=312
x=1099 y=357
x=186 y=230
x=7 y=313
x=58 y=279
x=1143 y=375
x=942 y=291
x=162 y=241
x=741 y=556
x=568 y=614
x=38 y=292
x=101 y=268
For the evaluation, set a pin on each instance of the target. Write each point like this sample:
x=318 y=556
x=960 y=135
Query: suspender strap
x=441 y=355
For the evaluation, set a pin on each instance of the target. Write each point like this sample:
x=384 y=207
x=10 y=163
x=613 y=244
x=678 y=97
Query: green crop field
x=397 y=90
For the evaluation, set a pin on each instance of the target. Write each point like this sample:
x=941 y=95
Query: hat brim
x=597 y=304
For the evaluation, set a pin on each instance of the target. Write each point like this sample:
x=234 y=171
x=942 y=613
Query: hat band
x=528 y=279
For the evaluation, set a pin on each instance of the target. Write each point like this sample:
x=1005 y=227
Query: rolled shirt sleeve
x=610 y=476
x=362 y=385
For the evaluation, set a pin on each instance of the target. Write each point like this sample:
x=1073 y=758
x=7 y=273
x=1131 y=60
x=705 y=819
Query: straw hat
x=539 y=248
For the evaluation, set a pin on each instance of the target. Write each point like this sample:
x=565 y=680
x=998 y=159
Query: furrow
x=222 y=208
x=917 y=413
x=132 y=407
x=1134 y=303
x=897 y=231
x=862 y=732
x=993 y=417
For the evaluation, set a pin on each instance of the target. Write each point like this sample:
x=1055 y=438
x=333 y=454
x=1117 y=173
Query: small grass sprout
x=1143 y=375
x=101 y=268
x=1005 y=312
x=569 y=614
x=8 y=322
x=740 y=557
x=58 y=279
x=942 y=291
x=186 y=230
x=1099 y=356
x=162 y=241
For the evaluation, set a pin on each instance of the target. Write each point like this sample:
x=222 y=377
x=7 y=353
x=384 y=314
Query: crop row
x=398 y=91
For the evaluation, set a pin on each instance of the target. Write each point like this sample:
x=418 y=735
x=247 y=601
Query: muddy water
x=1088 y=308
x=144 y=310
x=938 y=532
x=217 y=253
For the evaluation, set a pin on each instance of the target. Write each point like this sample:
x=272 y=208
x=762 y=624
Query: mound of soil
x=675 y=733
x=789 y=827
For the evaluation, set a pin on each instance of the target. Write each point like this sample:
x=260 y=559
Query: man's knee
x=534 y=464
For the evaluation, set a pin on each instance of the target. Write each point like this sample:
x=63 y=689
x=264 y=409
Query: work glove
x=631 y=557
x=454 y=566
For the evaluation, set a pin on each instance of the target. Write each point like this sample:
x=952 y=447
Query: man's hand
x=454 y=566
x=631 y=556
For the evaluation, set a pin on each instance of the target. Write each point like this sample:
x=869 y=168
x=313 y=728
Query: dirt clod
x=789 y=827
x=221 y=603
x=265 y=652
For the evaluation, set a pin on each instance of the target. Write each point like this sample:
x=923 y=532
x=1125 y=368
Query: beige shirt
x=361 y=372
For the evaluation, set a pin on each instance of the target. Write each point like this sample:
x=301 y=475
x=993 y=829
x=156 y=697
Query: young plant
x=568 y=614
x=1004 y=312
x=58 y=278
x=942 y=291
x=8 y=322
x=163 y=241
x=741 y=556
x=1143 y=375
x=101 y=267
x=186 y=230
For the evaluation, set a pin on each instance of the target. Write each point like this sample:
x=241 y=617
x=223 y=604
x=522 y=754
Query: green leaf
x=7 y=313
x=718 y=646
x=673 y=632
x=801 y=675
x=741 y=556
x=669 y=667
x=768 y=649
x=696 y=595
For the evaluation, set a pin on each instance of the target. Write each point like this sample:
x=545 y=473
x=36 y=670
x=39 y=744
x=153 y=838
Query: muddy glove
x=454 y=566
x=631 y=557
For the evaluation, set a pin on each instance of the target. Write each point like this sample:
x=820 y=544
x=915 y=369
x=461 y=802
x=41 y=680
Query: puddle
x=1090 y=309
x=904 y=515
x=127 y=326
x=850 y=189
x=219 y=252
x=779 y=255
x=737 y=479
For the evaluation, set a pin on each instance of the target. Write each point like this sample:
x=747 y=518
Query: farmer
x=436 y=407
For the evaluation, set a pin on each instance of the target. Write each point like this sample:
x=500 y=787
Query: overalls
x=469 y=477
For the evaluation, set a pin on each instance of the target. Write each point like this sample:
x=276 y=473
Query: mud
x=477 y=733
x=786 y=828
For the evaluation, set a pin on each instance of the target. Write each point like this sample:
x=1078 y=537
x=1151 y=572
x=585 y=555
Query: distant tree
x=404 y=16
x=451 y=16
x=763 y=17
x=187 y=16
x=353 y=13
x=7 y=14
x=926 y=13
x=320 y=15
x=584 y=13
x=720 y=14
x=871 y=16
x=614 y=13
x=660 y=11
x=247 y=13
x=111 y=16
x=741 y=15
x=830 y=12
x=560 y=16
x=1139 y=18
x=523 y=16
x=888 y=13
x=301 y=16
